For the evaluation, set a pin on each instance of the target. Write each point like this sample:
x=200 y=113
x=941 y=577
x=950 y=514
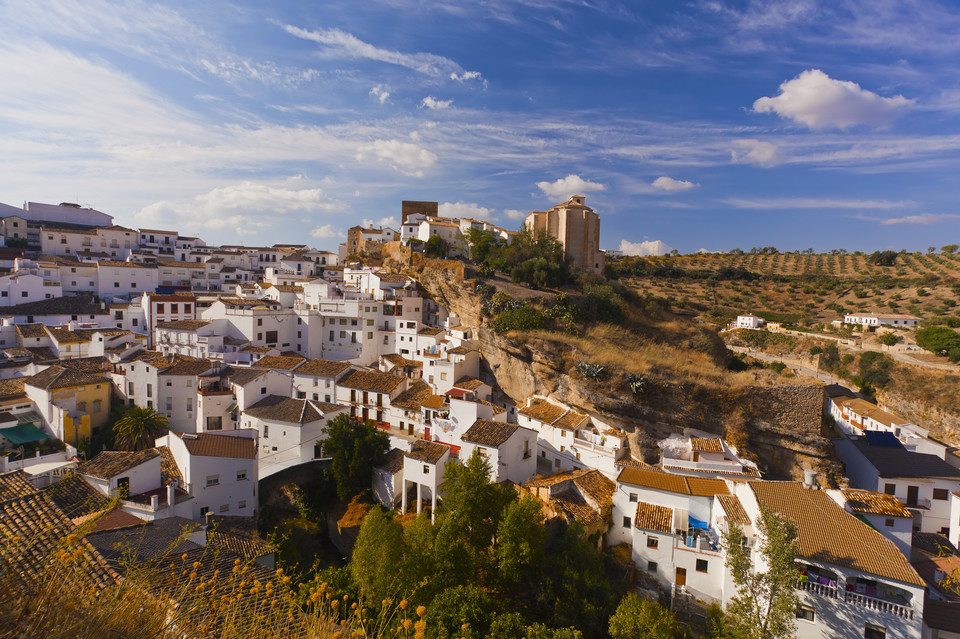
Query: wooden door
x=913 y=492
x=681 y=577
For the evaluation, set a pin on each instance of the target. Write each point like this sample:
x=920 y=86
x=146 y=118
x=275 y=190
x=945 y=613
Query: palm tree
x=138 y=428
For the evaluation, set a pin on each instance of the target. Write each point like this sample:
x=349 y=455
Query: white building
x=922 y=482
x=510 y=449
x=873 y=320
x=218 y=470
x=289 y=430
x=167 y=384
x=882 y=511
x=701 y=454
x=751 y=322
x=424 y=468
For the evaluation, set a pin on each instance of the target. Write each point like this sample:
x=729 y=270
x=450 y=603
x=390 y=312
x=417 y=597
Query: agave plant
x=590 y=371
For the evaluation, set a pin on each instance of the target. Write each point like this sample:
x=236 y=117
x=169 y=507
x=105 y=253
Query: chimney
x=172 y=493
x=154 y=502
x=810 y=478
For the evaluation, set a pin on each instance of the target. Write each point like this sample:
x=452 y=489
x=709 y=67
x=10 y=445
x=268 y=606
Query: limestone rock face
x=780 y=425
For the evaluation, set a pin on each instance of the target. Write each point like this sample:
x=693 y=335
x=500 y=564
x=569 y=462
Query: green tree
x=461 y=611
x=139 y=428
x=830 y=357
x=436 y=246
x=418 y=565
x=875 y=369
x=883 y=258
x=950 y=249
x=17 y=242
x=520 y=539
x=765 y=604
x=638 y=618
x=377 y=553
x=355 y=449
x=889 y=339
x=938 y=339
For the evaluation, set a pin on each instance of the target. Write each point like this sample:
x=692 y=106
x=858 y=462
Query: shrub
x=938 y=339
x=522 y=318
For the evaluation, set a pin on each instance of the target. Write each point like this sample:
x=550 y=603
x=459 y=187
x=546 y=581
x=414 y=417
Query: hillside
x=680 y=373
x=799 y=288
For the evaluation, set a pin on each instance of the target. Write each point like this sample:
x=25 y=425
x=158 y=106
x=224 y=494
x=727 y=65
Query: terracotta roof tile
x=828 y=533
x=57 y=377
x=434 y=402
x=15 y=485
x=279 y=362
x=428 y=452
x=183 y=325
x=413 y=397
x=542 y=410
x=322 y=367
x=211 y=445
x=734 y=509
x=489 y=433
x=75 y=497
x=697 y=486
x=653 y=517
x=284 y=409
x=110 y=463
x=865 y=501
x=374 y=381
x=394 y=462
x=706 y=444
x=468 y=383
x=43 y=528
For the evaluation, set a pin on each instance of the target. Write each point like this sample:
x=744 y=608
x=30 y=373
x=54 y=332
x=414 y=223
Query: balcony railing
x=880 y=605
x=818 y=588
x=603 y=450
x=720 y=467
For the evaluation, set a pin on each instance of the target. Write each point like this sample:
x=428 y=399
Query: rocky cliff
x=780 y=424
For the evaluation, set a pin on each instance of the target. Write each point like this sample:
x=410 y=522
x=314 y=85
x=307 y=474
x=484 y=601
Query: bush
x=939 y=340
x=875 y=369
x=815 y=350
x=889 y=339
x=778 y=367
x=523 y=318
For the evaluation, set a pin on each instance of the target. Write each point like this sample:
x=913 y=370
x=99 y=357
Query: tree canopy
x=765 y=604
x=139 y=428
x=355 y=448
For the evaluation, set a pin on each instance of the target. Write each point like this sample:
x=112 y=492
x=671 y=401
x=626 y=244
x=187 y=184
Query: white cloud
x=651 y=247
x=389 y=221
x=756 y=152
x=818 y=101
x=326 y=232
x=664 y=183
x=431 y=102
x=380 y=93
x=925 y=219
x=467 y=75
x=465 y=209
x=265 y=198
x=405 y=157
x=514 y=214
x=570 y=185
x=348 y=45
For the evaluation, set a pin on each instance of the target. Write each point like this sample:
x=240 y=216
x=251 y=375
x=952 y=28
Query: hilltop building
x=578 y=229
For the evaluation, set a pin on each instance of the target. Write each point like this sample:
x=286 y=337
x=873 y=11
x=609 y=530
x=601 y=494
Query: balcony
x=880 y=605
x=923 y=504
x=817 y=588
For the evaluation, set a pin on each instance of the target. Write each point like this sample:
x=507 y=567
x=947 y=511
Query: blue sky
x=701 y=124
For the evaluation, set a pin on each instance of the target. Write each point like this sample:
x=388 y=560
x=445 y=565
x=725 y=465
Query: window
x=241 y=474
x=224 y=508
x=189 y=404
x=873 y=631
x=160 y=308
x=215 y=423
x=82 y=407
x=213 y=480
x=941 y=494
x=633 y=498
x=266 y=431
x=169 y=403
x=806 y=613
x=426 y=469
x=174 y=308
x=129 y=388
x=263 y=390
x=702 y=565
x=890 y=489
x=259 y=321
x=651 y=566
x=888 y=523
x=169 y=382
x=626 y=521
x=149 y=390
x=653 y=542
x=241 y=504
x=134 y=323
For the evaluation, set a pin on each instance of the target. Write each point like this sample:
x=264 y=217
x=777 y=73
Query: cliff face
x=781 y=425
